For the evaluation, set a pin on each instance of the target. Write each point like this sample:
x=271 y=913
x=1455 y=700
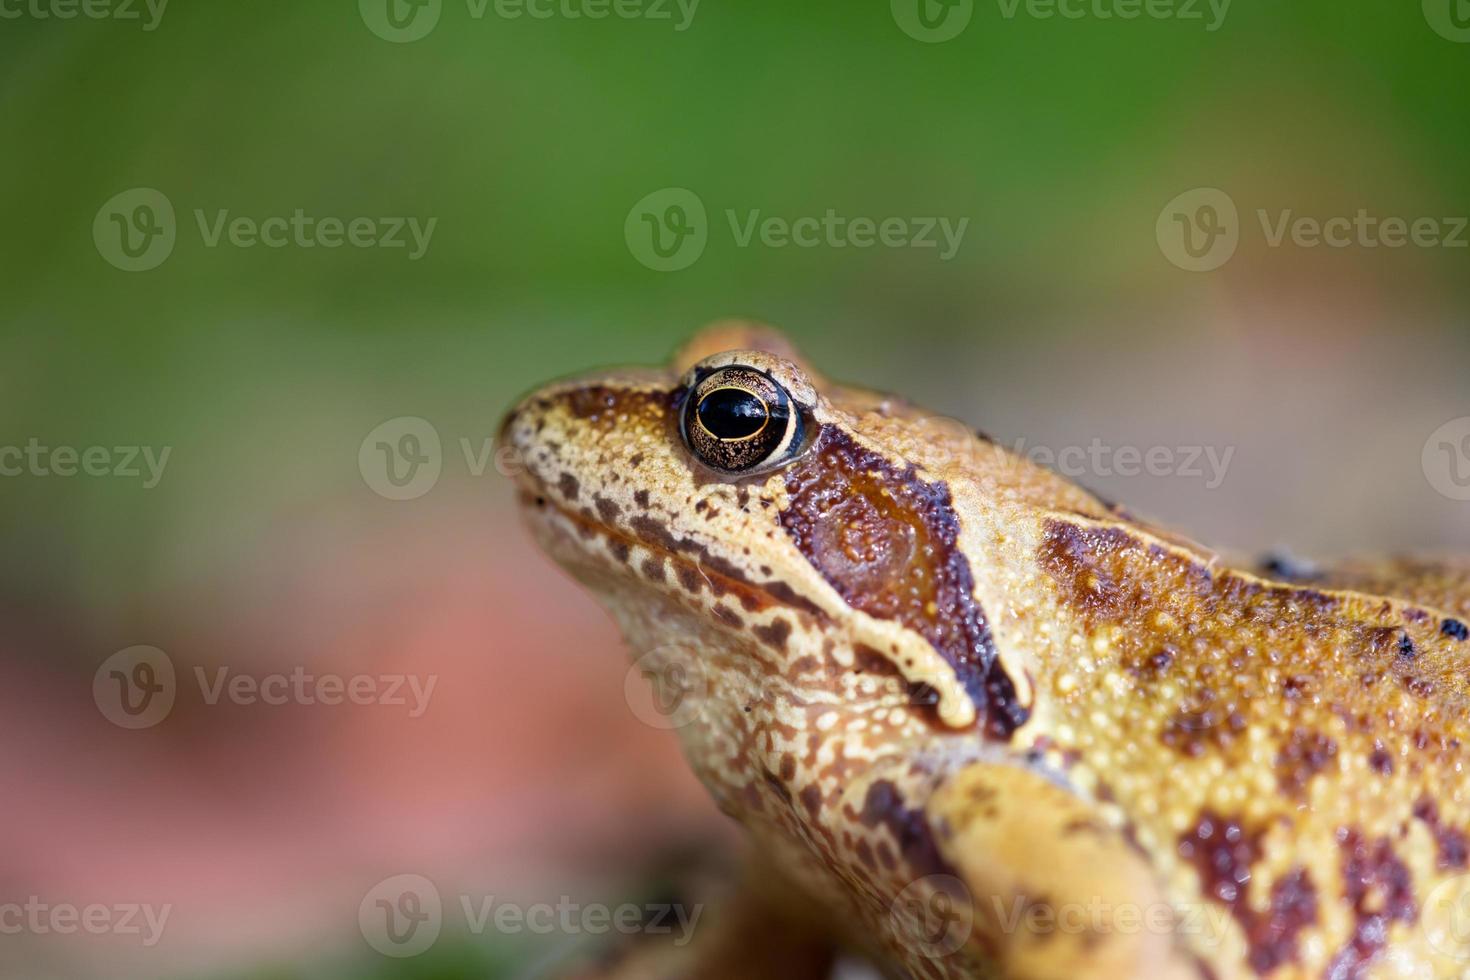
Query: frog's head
x=800 y=556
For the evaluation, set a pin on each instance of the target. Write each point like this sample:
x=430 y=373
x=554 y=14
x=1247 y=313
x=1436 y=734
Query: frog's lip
x=695 y=567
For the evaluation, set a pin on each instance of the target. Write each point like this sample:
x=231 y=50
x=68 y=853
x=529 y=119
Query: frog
x=976 y=721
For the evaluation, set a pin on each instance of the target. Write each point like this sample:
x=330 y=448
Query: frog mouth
x=694 y=567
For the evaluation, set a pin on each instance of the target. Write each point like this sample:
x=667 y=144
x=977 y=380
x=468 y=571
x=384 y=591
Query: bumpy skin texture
x=992 y=726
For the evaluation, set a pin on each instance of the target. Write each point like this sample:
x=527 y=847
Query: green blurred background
x=1061 y=319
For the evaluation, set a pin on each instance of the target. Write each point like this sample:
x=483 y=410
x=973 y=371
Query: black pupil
x=729 y=413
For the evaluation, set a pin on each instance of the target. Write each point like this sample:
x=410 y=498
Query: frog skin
x=981 y=723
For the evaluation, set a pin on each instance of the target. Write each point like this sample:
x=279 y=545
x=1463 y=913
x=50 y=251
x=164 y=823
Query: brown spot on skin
x=883 y=806
x=606 y=509
x=657 y=534
x=568 y=486
x=689 y=578
x=728 y=616
x=870 y=661
x=635 y=461
x=1272 y=936
x=775 y=634
x=1380 y=760
x=1381 y=891
x=788 y=767
x=1162 y=660
x=886 y=541
x=784 y=594
x=1452 y=846
x=1305 y=754
x=607 y=408
x=640 y=497
x=619 y=548
x=1070 y=555
x=654 y=568
x=778 y=787
x=865 y=854
x=811 y=798
x=1203 y=723
x=1223 y=853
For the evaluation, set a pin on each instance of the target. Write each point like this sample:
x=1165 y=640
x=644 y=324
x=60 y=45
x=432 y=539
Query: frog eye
x=740 y=420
